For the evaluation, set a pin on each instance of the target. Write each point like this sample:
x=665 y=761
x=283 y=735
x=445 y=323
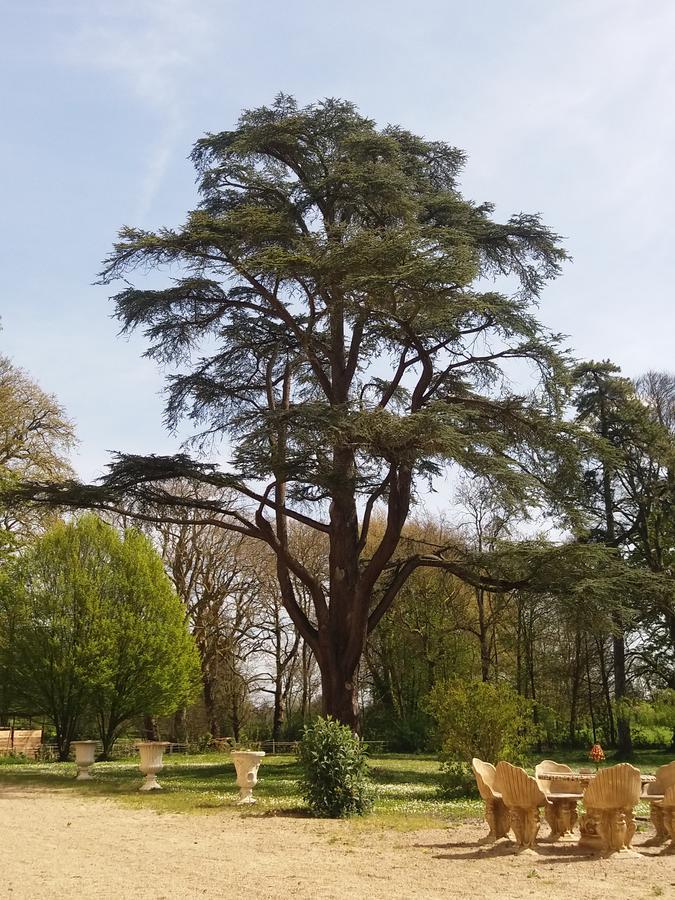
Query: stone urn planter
x=151 y=763
x=247 y=762
x=84 y=758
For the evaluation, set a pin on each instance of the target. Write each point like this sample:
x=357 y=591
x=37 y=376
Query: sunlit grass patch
x=406 y=788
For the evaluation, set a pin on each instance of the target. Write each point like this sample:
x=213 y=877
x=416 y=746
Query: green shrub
x=477 y=718
x=13 y=759
x=334 y=780
x=456 y=780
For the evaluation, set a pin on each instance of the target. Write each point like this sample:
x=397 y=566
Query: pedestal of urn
x=247 y=763
x=84 y=757
x=151 y=763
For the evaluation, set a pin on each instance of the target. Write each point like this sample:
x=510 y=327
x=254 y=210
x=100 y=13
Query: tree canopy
x=92 y=630
x=348 y=320
x=35 y=438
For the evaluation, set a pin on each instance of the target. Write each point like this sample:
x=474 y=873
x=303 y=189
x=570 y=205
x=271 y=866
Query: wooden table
x=585 y=778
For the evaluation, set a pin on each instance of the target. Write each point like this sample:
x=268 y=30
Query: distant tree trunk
x=278 y=714
x=483 y=635
x=576 y=684
x=519 y=648
x=179 y=732
x=236 y=718
x=108 y=732
x=150 y=728
x=306 y=695
x=210 y=706
x=624 y=743
x=624 y=739
x=590 y=690
x=606 y=692
x=531 y=671
x=209 y=686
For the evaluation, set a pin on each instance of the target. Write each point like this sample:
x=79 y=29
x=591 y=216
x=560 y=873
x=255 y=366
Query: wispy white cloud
x=592 y=78
x=152 y=48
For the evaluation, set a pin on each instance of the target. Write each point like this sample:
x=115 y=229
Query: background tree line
x=257 y=676
x=356 y=327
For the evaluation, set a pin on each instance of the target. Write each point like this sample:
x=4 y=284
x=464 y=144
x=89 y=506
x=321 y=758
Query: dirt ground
x=53 y=846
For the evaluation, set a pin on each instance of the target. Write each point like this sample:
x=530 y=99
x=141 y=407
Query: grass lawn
x=406 y=792
x=406 y=786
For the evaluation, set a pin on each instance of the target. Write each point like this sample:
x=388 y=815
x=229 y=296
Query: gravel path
x=56 y=846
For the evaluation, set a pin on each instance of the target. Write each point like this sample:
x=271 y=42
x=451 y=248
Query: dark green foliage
x=349 y=321
x=334 y=778
x=456 y=780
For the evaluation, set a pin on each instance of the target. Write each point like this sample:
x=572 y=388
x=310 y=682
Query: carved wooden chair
x=654 y=793
x=609 y=802
x=523 y=797
x=5 y=740
x=496 y=814
x=561 y=811
x=27 y=742
x=668 y=809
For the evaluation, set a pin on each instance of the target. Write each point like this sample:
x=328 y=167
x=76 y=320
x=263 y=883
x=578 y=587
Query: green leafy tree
x=425 y=637
x=337 y=314
x=35 y=437
x=50 y=605
x=96 y=631
x=479 y=718
x=148 y=662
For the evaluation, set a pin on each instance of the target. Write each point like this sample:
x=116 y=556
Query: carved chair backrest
x=28 y=742
x=557 y=786
x=665 y=778
x=486 y=778
x=518 y=788
x=617 y=787
x=668 y=801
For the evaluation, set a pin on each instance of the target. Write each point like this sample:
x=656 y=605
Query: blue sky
x=564 y=108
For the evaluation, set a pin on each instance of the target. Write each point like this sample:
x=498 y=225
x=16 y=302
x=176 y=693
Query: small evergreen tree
x=334 y=779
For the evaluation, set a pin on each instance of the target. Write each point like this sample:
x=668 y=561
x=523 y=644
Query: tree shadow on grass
x=297 y=812
x=382 y=775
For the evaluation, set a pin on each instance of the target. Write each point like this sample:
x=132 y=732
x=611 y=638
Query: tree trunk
x=210 y=704
x=236 y=720
x=108 y=742
x=179 y=732
x=66 y=727
x=590 y=690
x=339 y=694
x=278 y=715
x=606 y=692
x=483 y=636
x=624 y=744
x=150 y=728
x=624 y=740
x=306 y=696
x=576 y=684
